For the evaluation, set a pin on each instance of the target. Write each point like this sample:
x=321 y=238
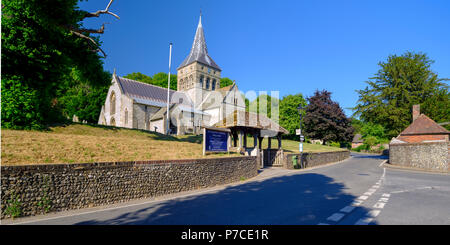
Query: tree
x=373 y=130
x=357 y=125
x=225 y=81
x=137 y=76
x=401 y=82
x=326 y=120
x=254 y=106
x=289 y=116
x=41 y=42
x=159 y=79
x=83 y=98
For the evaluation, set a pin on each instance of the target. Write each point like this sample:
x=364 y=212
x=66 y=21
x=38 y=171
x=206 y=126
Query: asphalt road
x=355 y=191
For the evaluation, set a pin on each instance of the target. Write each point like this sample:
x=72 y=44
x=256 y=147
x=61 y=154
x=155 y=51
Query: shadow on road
x=355 y=155
x=308 y=198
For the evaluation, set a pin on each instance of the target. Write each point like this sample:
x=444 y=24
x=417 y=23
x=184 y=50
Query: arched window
x=113 y=121
x=126 y=117
x=207 y=83
x=213 y=86
x=112 y=103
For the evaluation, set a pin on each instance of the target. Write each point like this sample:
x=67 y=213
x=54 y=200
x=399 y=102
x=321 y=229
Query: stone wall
x=430 y=156
x=74 y=186
x=316 y=159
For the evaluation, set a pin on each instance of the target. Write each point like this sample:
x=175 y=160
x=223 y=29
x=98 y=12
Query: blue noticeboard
x=216 y=140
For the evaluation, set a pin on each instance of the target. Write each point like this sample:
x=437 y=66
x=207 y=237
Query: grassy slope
x=86 y=143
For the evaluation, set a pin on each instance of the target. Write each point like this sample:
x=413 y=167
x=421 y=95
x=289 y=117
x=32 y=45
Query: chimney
x=415 y=112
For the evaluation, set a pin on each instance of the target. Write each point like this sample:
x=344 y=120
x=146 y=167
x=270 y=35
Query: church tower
x=198 y=70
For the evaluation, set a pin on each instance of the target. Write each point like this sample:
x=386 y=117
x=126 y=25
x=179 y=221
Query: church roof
x=424 y=125
x=143 y=91
x=199 y=52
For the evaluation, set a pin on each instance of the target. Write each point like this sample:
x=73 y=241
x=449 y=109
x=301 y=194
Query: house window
x=126 y=116
x=112 y=105
x=213 y=86
x=207 y=83
x=201 y=81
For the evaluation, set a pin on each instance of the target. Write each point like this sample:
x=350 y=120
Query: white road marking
x=357 y=203
x=364 y=221
x=363 y=197
x=379 y=205
x=336 y=217
x=374 y=213
x=420 y=188
x=384 y=199
x=347 y=209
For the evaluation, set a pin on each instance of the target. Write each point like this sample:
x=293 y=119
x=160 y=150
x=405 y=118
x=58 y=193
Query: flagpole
x=168 y=91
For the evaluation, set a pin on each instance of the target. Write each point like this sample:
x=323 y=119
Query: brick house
x=423 y=144
x=423 y=129
x=357 y=140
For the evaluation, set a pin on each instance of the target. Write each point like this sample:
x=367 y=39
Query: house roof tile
x=424 y=125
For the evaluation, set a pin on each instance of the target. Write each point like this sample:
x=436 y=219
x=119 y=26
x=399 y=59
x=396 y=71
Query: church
x=199 y=100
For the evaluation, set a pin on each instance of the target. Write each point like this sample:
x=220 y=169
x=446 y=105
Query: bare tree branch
x=98 y=49
x=98 y=31
x=79 y=32
x=99 y=12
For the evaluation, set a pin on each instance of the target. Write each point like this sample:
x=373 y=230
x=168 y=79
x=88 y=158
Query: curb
x=412 y=169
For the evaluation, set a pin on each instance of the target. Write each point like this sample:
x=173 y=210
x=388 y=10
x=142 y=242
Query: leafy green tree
x=373 y=130
x=137 y=76
x=357 y=125
x=254 y=106
x=289 y=115
x=401 y=82
x=83 y=98
x=41 y=42
x=370 y=141
x=326 y=120
x=225 y=81
x=160 y=79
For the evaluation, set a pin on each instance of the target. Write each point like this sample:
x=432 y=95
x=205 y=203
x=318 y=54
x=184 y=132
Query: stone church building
x=199 y=100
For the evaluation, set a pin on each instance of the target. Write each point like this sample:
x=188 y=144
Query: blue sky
x=287 y=46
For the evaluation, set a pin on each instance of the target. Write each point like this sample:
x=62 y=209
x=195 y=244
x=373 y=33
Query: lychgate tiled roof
x=249 y=119
x=424 y=125
x=199 y=52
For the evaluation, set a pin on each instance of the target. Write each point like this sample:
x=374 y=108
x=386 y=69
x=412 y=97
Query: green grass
x=78 y=143
x=292 y=146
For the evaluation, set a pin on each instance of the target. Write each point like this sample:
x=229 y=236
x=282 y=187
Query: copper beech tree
x=325 y=119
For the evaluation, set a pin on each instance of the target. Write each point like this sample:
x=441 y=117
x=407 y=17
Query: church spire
x=199 y=51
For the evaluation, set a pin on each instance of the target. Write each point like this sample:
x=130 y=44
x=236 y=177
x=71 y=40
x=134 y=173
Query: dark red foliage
x=326 y=120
